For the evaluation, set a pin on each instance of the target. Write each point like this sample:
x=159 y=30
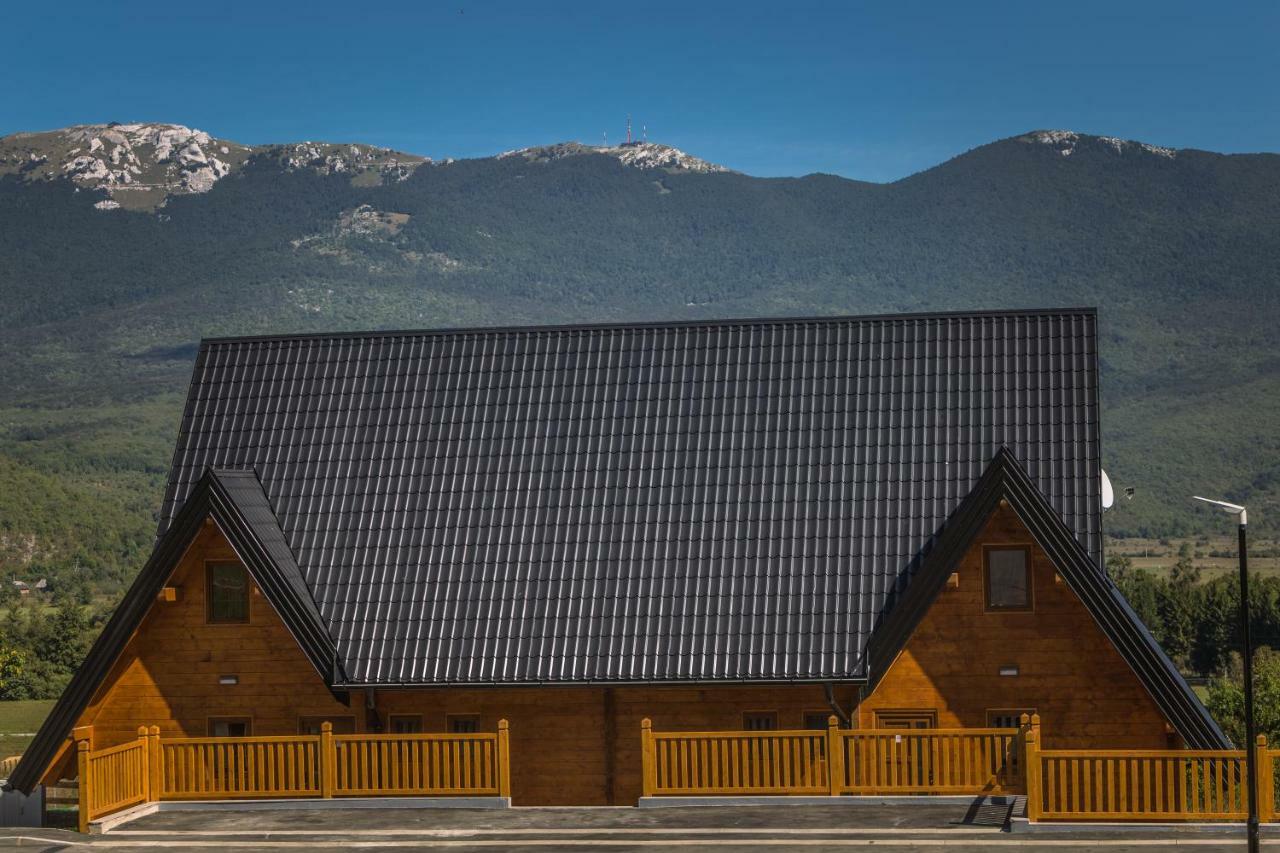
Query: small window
x=1008 y=578
x=760 y=721
x=227 y=592
x=406 y=724
x=230 y=727
x=1007 y=718
x=462 y=724
x=341 y=725
x=816 y=720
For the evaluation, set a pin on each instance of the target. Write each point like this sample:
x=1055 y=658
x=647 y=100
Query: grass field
x=1214 y=555
x=18 y=723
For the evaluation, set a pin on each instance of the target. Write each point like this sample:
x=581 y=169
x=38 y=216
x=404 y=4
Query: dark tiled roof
x=657 y=502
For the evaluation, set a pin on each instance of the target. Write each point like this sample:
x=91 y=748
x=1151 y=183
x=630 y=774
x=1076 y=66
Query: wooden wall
x=1086 y=694
x=581 y=745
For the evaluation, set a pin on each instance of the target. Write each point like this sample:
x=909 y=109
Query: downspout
x=841 y=714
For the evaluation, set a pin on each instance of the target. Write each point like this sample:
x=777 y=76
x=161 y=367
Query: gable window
x=1007 y=577
x=462 y=724
x=230 y=727
x=760 y=721
x=341 y=725
x=406 y=724
x=226 y=593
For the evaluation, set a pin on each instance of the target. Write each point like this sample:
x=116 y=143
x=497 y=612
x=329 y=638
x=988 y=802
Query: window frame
x=391 y=724
x=450 y=719
x=826 y=717
x=1004 y=712
x=881 y=715
x=763 y=714
x=233 y=718
x=208 y=593
x=987 y=606
x=323 y=718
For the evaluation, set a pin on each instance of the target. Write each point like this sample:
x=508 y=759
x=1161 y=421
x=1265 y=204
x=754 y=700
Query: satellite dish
x=1108 y=495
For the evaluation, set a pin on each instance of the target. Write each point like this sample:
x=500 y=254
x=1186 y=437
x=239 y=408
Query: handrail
x=112 y=779
x=834 y=761
x=1144 y=784
x=325 y=765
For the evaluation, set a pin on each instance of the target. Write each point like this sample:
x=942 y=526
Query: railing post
x=82 y=772
x=504 y=758
x=648 y=774
x=1266 y=781
x=328 y=760
x=835 y=757
x=1031 y=754
x=144 y=766
x=155 y=762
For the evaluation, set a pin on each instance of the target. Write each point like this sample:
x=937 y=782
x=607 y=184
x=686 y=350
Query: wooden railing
x=835 y=761
x=733 y=763
x=324 y=765
x=456 y=764
x=930 y=761
x=210 y=768
x=1145 y=785
x=114 y=778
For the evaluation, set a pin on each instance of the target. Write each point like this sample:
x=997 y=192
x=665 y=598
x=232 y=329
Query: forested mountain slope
x=101 y=305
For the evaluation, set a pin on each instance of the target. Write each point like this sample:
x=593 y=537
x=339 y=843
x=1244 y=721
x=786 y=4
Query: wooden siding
x=581 y=745
x=1068 y=671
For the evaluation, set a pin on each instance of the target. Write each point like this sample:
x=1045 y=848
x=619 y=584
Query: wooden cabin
x=734 y=525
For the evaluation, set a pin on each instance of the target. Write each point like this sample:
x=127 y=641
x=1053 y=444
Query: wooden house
x=745 y=524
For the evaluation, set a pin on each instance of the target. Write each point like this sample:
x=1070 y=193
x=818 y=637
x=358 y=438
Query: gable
x=229 y=500
x=1005 y=483
x=169 y=673
x=958 y=658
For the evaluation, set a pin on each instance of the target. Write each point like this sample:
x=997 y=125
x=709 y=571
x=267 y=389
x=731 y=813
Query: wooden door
x=908 y=760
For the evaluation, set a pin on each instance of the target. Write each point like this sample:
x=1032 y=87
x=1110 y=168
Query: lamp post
x=1246 y=642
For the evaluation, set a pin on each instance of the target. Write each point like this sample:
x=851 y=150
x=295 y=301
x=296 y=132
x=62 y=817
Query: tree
x=1226 y=697
x=10 y=670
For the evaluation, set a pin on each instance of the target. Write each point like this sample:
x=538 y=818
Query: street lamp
x=1250 y=736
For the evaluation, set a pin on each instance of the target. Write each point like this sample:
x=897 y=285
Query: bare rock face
x=140 y=166
x=1067 y=142
x=639 y=155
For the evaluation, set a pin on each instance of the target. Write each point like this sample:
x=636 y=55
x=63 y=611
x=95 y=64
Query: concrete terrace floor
x=952 y=825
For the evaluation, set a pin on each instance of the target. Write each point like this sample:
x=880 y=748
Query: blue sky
x=869 y=91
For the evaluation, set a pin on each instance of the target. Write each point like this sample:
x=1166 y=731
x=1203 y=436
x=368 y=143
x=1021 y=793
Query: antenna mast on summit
x=628 y=128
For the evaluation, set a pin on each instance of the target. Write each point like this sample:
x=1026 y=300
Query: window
x=226 y=592
x=907 y=719
x=341 y=725
x=462 y=724
x=406 y=724
x=230 y=727
x=1008 y=577
x=1007 y=718
x=816 y=720
x=760 y=721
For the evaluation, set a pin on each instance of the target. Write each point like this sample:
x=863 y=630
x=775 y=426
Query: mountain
x=105 y=288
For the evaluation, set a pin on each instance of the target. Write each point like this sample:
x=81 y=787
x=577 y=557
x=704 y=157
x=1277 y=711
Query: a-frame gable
x=1006 y=480
x=234 y=500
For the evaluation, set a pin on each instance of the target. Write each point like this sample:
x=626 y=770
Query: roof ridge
x=655 y=324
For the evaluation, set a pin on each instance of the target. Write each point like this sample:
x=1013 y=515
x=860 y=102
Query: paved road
x=895 y=828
